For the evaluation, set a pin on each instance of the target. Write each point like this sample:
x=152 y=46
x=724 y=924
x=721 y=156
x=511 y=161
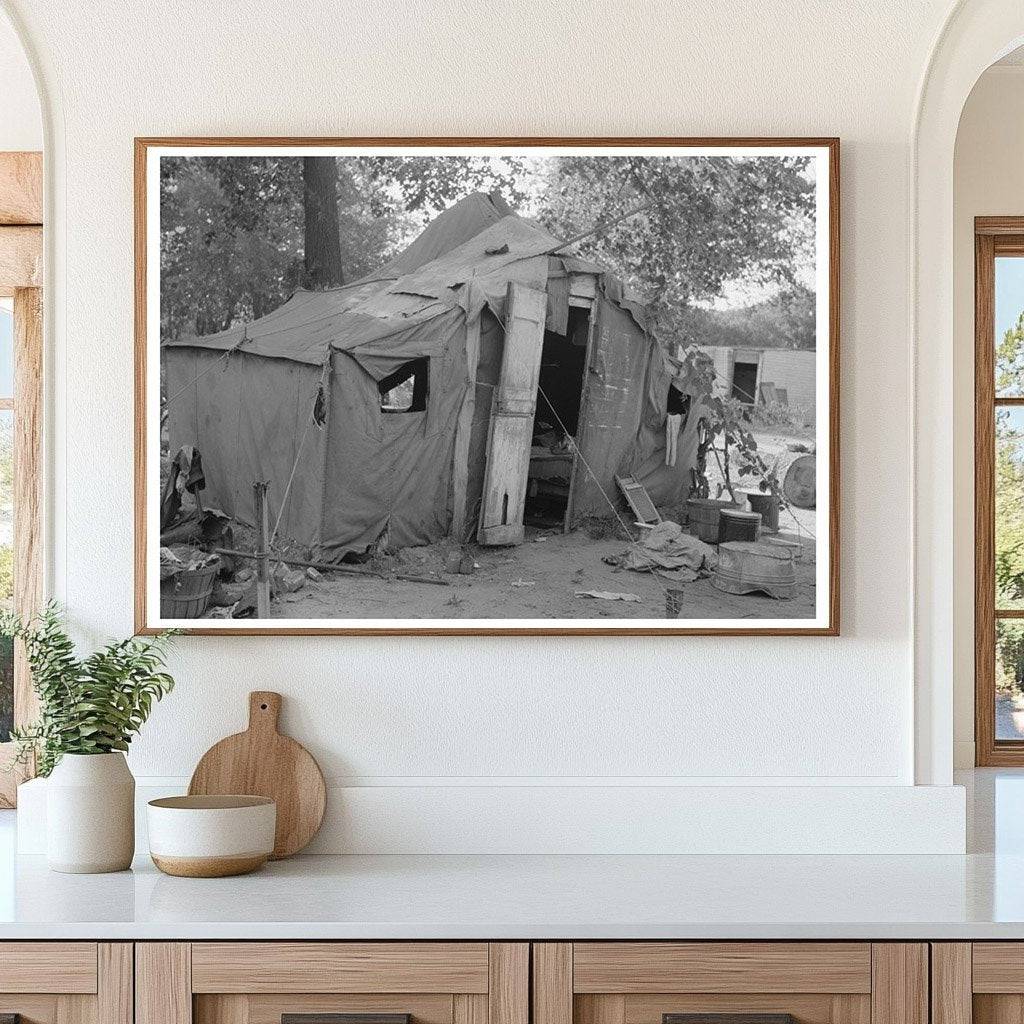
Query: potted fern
x=89 y=710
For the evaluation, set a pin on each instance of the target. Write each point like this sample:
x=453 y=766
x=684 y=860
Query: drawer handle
x=340 y=1018
x=728 y=1018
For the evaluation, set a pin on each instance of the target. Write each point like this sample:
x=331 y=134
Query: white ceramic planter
x=90 y=814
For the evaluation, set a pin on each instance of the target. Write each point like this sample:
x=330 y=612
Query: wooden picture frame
x=826 y=619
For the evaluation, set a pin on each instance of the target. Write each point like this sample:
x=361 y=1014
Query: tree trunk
x=322 y=265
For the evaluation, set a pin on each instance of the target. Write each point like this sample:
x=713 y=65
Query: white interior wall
x=431 y=717
x=988 y=181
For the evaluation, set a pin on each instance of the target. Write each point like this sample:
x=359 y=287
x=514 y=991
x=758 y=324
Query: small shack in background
x=759 y=375
x=476 y=380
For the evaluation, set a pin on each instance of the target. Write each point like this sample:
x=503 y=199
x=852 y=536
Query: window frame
x=21 y=257
x=993 y=237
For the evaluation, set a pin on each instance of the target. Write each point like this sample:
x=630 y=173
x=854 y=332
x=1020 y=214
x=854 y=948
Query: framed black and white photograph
x=536 y=386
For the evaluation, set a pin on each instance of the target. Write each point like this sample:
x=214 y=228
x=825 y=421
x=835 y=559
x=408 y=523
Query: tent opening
x=563 y=368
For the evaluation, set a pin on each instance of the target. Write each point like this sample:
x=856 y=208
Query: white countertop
x=532 y=897
x=978 y=896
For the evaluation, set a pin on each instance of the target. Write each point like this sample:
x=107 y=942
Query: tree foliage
x=787 y=320
x=1009 y=505
x=1009 y=471
x=90 y=705
x=233 y=229
x=703 y=221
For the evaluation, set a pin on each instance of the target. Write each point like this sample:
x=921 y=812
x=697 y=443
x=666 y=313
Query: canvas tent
x=495 y=346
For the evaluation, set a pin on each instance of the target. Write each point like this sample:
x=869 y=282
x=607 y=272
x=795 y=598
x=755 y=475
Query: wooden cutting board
x=262 y=762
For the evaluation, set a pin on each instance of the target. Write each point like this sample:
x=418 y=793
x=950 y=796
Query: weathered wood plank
x=515 y=401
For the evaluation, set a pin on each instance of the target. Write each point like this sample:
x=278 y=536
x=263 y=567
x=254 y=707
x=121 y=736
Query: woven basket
x=186 y=595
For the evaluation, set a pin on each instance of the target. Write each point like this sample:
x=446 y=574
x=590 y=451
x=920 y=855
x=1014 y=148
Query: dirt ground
x=536 y=580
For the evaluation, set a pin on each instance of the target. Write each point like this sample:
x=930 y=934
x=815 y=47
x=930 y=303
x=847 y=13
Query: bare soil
x=536 y=580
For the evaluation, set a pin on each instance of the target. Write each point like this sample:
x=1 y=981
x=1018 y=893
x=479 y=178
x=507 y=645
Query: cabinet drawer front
x=998 y=967
x=56 y=967
x=309 y=967
x=755 y=967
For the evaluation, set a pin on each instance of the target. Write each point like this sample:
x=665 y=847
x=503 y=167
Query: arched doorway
x=975 y=34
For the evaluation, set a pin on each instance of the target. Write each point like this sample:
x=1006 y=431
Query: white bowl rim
x=212 y=802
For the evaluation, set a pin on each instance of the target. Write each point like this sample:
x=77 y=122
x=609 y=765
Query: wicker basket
x=186 y=595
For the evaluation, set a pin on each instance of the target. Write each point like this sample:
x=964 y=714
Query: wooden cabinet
x=815 y=982
x=66 y=982
x=260 y=982
x=494 y=983
x=979 y=982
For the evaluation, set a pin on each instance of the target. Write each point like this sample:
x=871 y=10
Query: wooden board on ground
x=638 y=500
x=262 y=762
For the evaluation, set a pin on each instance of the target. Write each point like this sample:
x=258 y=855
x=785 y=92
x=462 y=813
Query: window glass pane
x=1009 y=679
x=1009 y=487
x=6 y=567
x=1009 y=325
x=6 y=350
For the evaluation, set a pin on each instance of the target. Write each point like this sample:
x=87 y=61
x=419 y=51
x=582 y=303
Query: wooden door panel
x=988 y=1008
x=32 y=1008
x=257 y=982
x=512 y=412
x=66 y=982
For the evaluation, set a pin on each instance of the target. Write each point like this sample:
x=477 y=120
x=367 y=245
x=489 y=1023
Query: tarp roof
x=474 y=271
x=447 y=231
